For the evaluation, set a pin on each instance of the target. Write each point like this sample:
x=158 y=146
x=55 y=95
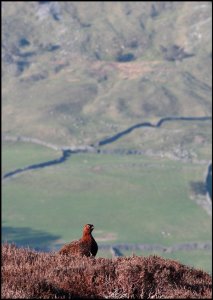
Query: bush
x=30 y=274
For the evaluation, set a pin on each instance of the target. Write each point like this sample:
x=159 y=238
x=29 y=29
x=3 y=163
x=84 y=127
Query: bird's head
x=88 y=228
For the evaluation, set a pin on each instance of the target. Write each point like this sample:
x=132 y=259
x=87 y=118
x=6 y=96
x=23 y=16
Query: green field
x=17 y=155
x=129 y=199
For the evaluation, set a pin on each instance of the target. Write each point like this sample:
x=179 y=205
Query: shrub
x=30 y=274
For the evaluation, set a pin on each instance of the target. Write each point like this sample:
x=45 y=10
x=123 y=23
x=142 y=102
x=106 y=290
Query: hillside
x=76 y=72
x=55 y=276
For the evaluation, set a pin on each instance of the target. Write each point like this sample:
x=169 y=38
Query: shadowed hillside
x=56 y=276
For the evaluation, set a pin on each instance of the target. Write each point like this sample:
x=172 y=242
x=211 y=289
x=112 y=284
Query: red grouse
x=85 y=246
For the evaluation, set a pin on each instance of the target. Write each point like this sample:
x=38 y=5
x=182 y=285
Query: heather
x=30 y=274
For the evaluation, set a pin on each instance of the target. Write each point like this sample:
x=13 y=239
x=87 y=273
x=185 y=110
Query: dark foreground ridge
x=30 y=274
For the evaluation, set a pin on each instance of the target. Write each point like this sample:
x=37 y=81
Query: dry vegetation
x=129 y=70
x=31 y=274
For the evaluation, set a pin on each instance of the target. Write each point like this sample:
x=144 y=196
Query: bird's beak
x=92 y=227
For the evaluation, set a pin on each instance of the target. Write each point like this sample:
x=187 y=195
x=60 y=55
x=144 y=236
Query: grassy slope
x=90 y=97
x=17 y=155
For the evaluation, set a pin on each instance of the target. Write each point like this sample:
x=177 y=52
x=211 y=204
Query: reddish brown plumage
x=84 y=246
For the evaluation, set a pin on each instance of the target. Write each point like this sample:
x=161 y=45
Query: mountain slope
x=72 y=69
